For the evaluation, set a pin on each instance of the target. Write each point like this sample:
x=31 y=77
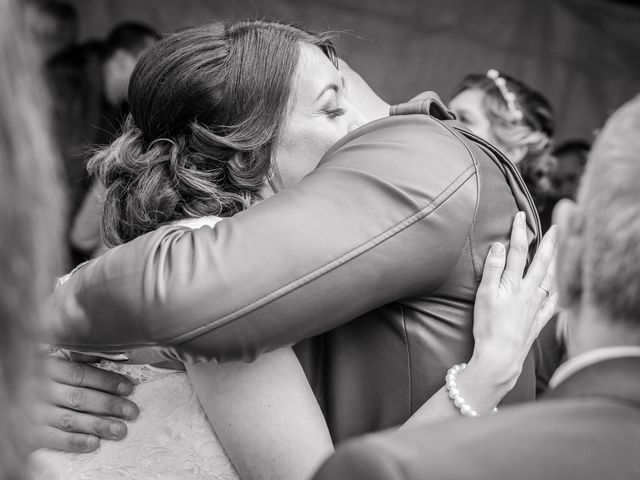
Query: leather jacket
x=370 y=265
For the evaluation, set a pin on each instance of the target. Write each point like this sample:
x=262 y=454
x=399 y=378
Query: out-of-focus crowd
x=88 y=83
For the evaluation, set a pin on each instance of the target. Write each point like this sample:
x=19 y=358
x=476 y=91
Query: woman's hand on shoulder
x=512 y=307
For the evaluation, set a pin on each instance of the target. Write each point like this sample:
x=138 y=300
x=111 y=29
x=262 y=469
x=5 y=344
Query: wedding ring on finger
x=544 y=289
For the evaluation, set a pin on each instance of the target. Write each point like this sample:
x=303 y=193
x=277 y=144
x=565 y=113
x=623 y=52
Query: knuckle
x=520 y=248
x=544 y=254
x=77 y=374
x=76 y=398
x=65 y=421
x=493 y=266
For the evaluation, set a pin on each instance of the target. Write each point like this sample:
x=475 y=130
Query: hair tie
x=508 y=96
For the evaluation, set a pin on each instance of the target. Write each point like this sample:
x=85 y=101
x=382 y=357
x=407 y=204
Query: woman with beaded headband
x=519 y=120
x=506 y=112
x=515 y=118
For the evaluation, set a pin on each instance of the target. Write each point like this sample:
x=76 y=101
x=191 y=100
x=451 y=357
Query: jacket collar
x=617 y=378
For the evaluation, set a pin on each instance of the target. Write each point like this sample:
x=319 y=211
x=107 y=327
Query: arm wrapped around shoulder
x=383 y=217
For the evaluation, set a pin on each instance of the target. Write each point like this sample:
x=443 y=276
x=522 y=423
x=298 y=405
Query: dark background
x=584 y=55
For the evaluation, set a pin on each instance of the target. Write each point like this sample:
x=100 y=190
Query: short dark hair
x=207 y=106
x=62 y=29
x=134 y=37
x=578 y=146
x=62 y=11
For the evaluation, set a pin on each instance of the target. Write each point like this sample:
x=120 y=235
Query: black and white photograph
x=320 y=240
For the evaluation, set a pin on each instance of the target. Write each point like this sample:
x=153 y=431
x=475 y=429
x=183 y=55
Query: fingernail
x=522 y=217
x=92 y=443
x=497 y=248
x=129 y=411
x=116 y=430
x=124 y=388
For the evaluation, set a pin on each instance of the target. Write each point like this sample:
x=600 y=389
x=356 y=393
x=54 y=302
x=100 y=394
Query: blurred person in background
x=88 y=84
x=571 y=157
x=587 y=426
x=518 y=120
x=31 y=206
x=52 y=24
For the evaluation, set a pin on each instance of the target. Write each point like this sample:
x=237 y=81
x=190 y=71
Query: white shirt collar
x=588 y=358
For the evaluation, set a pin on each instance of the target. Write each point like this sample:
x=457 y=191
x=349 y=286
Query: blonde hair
x=527 y=122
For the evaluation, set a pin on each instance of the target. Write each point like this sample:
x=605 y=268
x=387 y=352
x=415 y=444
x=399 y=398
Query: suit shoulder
x=569 y=438
x=361 y=460
x=406 y=150
x=407 y=135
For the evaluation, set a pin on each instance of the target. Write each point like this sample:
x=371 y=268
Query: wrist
x=470 y=393
x=498 y=369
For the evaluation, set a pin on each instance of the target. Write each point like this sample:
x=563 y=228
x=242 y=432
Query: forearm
x=343 y=241
x=265 y=415
x=481 y=384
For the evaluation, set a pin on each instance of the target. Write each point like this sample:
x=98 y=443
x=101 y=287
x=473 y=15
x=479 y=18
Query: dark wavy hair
x=207 y=107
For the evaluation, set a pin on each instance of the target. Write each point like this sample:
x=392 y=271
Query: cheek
x=301 y=150
x=295 y=158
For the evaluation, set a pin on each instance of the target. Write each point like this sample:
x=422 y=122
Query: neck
x=590 y=328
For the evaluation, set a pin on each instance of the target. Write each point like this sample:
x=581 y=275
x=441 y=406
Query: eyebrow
x=331 y=86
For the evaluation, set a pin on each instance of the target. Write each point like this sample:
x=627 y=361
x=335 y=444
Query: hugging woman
x=368 y=258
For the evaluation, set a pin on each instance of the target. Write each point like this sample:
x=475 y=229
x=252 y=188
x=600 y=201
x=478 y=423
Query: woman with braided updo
x=222 y=117
x=518 y=120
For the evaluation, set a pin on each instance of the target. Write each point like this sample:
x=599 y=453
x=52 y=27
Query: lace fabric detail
x=171 y=439
x=137 y=373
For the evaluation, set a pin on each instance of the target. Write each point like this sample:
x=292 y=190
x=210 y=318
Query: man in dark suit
x=588 y=425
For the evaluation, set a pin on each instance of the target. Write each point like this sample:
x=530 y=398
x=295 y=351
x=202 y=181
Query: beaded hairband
x=509 y=96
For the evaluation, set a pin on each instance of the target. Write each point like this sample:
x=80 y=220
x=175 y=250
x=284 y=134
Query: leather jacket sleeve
x=383 y=217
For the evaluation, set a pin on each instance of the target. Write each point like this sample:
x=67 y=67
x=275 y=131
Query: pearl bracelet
x=454 y=393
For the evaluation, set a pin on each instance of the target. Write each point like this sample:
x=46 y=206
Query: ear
x=570 y=221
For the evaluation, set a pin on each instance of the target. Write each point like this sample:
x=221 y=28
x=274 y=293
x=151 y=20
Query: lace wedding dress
x=170 y=439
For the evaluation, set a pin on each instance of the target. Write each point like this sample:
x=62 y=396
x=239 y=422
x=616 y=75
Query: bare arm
x=265 y=415
x=271 y=396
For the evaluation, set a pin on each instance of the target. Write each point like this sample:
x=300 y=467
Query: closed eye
x=333 y=112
